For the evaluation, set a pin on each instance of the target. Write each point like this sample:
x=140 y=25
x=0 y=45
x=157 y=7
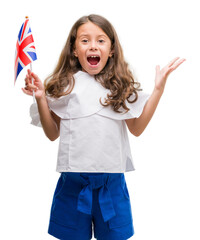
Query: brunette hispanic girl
x=89 y=101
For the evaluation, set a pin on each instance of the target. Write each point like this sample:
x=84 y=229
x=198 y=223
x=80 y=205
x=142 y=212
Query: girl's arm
x=49 y=120
x=137 y=125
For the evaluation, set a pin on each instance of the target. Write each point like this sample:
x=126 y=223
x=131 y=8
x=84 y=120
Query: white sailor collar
x=83 y=101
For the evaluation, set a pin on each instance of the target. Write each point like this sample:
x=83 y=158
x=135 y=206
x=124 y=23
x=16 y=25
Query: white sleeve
x=135 y=111
x=35 y=116
x=58 y=106
x=137 y=107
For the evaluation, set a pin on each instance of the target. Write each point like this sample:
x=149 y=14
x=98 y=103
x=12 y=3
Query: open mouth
x=93 y=60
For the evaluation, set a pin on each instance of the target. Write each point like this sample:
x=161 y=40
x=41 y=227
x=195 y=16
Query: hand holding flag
x=37 y=88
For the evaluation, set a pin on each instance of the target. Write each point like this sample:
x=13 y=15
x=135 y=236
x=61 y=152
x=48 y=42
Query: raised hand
x=37 y=86
x=162 y=75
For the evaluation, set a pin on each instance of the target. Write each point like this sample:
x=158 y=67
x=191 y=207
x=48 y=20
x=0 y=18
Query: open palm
x=162 y=74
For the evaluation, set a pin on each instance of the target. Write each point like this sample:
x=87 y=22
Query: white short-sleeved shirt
x=93 y=138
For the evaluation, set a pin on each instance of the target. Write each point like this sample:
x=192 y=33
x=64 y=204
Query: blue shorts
x=84 y=203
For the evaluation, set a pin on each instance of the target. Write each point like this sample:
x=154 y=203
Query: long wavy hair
x=115 y=76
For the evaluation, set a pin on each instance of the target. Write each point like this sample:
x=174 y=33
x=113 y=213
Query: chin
x=92 y=71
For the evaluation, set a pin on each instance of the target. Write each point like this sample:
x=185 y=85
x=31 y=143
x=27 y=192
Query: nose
x=93 y=45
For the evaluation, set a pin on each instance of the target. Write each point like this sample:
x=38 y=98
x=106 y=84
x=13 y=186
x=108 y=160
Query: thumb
x=157 y=68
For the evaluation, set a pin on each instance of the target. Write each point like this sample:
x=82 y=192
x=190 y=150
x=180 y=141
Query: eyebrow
x=87 y=35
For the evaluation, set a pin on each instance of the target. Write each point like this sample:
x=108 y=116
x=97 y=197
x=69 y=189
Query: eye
x=101 y=41
x=84 y=40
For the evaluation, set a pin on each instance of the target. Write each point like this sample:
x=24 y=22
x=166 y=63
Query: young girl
x=88 y=100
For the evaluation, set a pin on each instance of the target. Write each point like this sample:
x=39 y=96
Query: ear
x=75 y=53
x=111 y=53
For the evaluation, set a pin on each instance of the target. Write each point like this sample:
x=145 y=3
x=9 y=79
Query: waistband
x=92 y=181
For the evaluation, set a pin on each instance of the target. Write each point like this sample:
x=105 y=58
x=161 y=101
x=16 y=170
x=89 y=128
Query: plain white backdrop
x=164 y=189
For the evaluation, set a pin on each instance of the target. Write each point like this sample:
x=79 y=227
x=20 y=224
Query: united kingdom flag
x=25 y=48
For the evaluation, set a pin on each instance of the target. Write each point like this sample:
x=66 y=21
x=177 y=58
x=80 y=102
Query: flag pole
x=31 y=71
x=32 y=83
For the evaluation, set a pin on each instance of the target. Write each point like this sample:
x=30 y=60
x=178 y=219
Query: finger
x=157 y=68
x=28 y=92
x=27 y=79
x=29 y=73
x=35 y=76
x=172 y=62
x=31 y=86
x=177 y=64
x=32 y=75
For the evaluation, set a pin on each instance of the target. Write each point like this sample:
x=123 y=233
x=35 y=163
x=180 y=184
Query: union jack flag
x=25 y=48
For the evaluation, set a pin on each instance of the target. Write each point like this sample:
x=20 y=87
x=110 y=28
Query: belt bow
x=105 y=201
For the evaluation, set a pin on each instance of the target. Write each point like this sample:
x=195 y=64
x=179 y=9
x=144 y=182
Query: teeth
x=93 y=56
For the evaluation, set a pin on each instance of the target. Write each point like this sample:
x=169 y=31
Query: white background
x=164 y=189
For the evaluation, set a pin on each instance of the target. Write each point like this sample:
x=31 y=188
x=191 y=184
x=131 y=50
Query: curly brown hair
x=115 y=76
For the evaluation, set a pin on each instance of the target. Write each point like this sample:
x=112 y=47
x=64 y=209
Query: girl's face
x=92 y=47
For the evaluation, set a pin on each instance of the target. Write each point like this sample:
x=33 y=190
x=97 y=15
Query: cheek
x=105 y=56
x=81 y=53
x=78 y=48
x=82 y=60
